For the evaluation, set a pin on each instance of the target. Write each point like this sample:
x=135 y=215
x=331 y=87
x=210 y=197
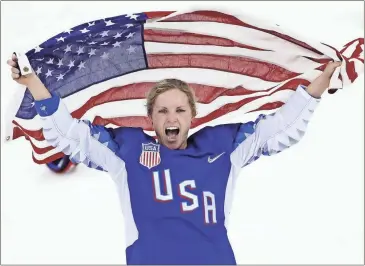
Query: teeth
x=172 y=128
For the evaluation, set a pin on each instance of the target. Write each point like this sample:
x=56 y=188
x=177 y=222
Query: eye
x=180 y=110
x=162 y=111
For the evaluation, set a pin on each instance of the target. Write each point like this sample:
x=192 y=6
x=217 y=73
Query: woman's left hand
x=321 y=83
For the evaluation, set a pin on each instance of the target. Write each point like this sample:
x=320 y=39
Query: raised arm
x=91 y=145
x=271 y=134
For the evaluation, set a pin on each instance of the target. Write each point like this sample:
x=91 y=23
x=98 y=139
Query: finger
x=334 y=64
x=15 y=70
x=11 y=62
x=15 y=76
x=337 y=64
x=14 y=57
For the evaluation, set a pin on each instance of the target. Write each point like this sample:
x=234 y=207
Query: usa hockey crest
x=150 y=156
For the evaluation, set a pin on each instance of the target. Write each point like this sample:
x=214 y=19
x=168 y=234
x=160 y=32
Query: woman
x=176 y=192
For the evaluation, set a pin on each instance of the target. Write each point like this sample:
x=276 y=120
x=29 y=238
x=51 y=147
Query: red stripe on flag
x=350 y=69
x=36 y=134
x=233 y=64
x=214 y=16
x=357 y=52
x=48 y=159
x=165 y=36
x=157 y=14
x=319 y=60
x=268 y=106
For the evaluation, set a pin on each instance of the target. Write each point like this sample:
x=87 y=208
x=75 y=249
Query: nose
x=171 y=117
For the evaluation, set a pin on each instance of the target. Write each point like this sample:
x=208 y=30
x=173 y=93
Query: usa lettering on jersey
x=190 y=201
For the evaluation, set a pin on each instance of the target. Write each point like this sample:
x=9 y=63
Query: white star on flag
x=118 y=35
x=117 y=44
x=109 y=23
x=39 y=70
x=38 y=49
x=92 y=52
x=60 y=39
x=71 y=64
x=131 y=49
x=68 y=49
x=81 y=65
x=60 y=77
x=49 y=73
x=133 y=16
x=80 y=50
x=84 y=30
x=59 y=64
x=104 y=33
x=130 y=35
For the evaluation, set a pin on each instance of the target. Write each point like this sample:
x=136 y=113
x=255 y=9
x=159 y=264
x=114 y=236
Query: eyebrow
x=162 y=107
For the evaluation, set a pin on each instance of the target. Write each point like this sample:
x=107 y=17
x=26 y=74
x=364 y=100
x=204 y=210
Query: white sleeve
x=271 y=134
x=91 y=145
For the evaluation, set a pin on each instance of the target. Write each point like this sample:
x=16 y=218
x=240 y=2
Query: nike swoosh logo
x=211 y=160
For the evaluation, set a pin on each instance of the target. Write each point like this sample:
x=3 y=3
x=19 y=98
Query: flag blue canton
x=85 y=55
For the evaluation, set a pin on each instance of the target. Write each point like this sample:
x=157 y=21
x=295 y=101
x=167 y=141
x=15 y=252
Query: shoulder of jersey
x=124 y=135
x=221 y=136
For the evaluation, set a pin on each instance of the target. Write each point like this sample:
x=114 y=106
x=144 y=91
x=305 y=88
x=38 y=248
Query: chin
x=173 y=146
x=176 y=145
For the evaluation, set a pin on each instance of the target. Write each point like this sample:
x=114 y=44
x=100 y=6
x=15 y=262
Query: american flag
x=236 y=64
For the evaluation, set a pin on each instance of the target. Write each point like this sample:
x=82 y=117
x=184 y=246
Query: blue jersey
x=176 y=203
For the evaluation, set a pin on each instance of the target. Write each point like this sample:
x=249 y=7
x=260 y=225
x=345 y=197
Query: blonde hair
x=170 y=84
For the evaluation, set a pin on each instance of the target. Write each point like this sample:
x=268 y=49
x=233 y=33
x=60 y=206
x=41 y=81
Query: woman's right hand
x=15 y=73
x=31 y=81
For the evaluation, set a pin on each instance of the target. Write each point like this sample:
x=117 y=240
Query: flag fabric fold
x=237 y=66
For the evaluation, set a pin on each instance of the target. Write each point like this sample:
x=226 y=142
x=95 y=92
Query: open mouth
x=172 y=132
